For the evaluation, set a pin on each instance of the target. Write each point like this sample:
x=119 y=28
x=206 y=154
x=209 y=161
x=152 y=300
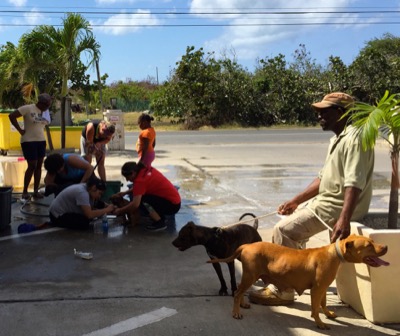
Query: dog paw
x=322 y=326
x=237 y=316
x=223 y=292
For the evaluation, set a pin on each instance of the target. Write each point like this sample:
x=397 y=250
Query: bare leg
x=100 y=167
x=37 y=175
x=28 y=175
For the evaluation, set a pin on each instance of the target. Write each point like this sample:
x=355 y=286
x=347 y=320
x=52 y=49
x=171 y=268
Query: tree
x=382 y=119
x=61 y=50
x=376 y=69
x=10 y=88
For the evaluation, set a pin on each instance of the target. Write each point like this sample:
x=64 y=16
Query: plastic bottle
x=104 y=224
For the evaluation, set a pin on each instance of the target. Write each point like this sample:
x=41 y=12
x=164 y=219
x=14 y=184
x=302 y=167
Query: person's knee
x=284 y=231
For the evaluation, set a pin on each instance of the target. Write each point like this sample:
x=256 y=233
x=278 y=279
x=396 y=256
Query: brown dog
x=220 y=242
x=313 y=268
x=120 y=202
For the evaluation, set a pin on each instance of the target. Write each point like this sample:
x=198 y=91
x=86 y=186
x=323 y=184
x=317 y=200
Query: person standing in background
x=147 y=141
x=95 y=136
x=33 y=142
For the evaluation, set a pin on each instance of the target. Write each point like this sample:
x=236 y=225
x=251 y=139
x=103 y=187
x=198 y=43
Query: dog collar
x=339 y=251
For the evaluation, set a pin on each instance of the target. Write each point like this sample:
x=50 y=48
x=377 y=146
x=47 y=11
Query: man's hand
x=287 y=208
x=110 y=208
x=341 y=230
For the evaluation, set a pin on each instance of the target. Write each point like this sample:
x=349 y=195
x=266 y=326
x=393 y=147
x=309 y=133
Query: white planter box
x=373 y=292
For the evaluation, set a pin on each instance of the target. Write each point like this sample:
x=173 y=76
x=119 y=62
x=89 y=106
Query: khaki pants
x=295 y=229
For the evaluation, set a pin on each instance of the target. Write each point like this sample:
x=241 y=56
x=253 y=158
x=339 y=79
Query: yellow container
x=72 y=137
x=9 y=136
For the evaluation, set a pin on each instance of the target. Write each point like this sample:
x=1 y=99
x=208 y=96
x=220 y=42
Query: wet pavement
x=137 y=283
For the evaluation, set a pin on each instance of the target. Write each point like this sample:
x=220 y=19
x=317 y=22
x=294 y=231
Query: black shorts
x=71 y=221
x=33 y=150
x=160 y=205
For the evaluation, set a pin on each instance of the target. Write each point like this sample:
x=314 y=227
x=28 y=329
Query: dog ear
x=349 y=245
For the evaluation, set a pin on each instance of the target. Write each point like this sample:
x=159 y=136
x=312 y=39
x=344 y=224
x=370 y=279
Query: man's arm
x=342 y=227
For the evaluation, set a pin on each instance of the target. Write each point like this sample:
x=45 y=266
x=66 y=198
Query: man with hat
x=340 y=193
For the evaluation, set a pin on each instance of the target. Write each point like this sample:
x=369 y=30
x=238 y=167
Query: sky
x=143 y=40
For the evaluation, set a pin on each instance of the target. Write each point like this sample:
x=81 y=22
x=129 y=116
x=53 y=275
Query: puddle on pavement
x=220 y=197
x=223 y=195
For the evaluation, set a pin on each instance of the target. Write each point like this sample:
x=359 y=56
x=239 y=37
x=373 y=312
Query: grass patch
x=130 y=121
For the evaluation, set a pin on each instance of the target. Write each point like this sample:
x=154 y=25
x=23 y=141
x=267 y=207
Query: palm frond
x=382 y=119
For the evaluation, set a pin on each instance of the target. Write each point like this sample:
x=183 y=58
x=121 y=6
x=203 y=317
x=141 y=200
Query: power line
x=215 y=25
x=282 y=14
x=269 y=12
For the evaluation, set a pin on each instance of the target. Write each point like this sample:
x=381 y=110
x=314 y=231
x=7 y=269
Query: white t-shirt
x=34 y=123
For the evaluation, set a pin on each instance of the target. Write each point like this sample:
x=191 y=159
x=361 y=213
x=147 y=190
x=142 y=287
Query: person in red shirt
x=152 y=192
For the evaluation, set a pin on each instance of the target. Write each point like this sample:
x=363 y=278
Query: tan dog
x=313 y=268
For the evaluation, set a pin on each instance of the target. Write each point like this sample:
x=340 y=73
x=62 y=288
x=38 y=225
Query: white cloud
x=125 y=23
x=248 y=41
x=17 y=3
x=33 y=17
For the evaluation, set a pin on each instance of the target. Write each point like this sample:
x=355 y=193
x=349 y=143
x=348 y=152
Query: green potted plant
x=373 y=292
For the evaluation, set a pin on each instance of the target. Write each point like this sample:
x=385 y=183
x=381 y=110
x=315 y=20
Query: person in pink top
x=147 y=140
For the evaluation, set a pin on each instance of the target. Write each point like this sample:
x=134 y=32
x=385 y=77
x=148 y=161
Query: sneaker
x=266 y=297
x=157 y=226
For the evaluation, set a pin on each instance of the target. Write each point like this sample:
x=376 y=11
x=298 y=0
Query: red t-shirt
x=152 y=182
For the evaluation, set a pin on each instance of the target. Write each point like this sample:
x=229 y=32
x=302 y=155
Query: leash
x=253 y=218
x=100 y=158
x=337 y=247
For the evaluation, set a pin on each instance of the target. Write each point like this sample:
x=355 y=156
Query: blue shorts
x=33 y=150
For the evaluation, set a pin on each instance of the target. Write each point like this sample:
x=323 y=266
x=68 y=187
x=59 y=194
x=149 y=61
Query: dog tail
x=255 y=224
x=235 y=255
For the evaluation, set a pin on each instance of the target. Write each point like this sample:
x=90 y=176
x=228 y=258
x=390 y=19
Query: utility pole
x=157 y=74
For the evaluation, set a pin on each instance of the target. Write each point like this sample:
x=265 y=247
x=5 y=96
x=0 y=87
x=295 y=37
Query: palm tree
x=61 y=50
x=382 y=120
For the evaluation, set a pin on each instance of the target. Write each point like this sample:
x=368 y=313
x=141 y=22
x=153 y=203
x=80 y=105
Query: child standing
x=147 y=140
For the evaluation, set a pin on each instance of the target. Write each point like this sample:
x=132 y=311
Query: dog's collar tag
x=339 y=251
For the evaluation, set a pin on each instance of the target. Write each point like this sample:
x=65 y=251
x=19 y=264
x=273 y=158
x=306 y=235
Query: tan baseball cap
x=335 y=99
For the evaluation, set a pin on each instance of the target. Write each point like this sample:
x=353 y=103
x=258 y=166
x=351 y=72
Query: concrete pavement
x=137 y=283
